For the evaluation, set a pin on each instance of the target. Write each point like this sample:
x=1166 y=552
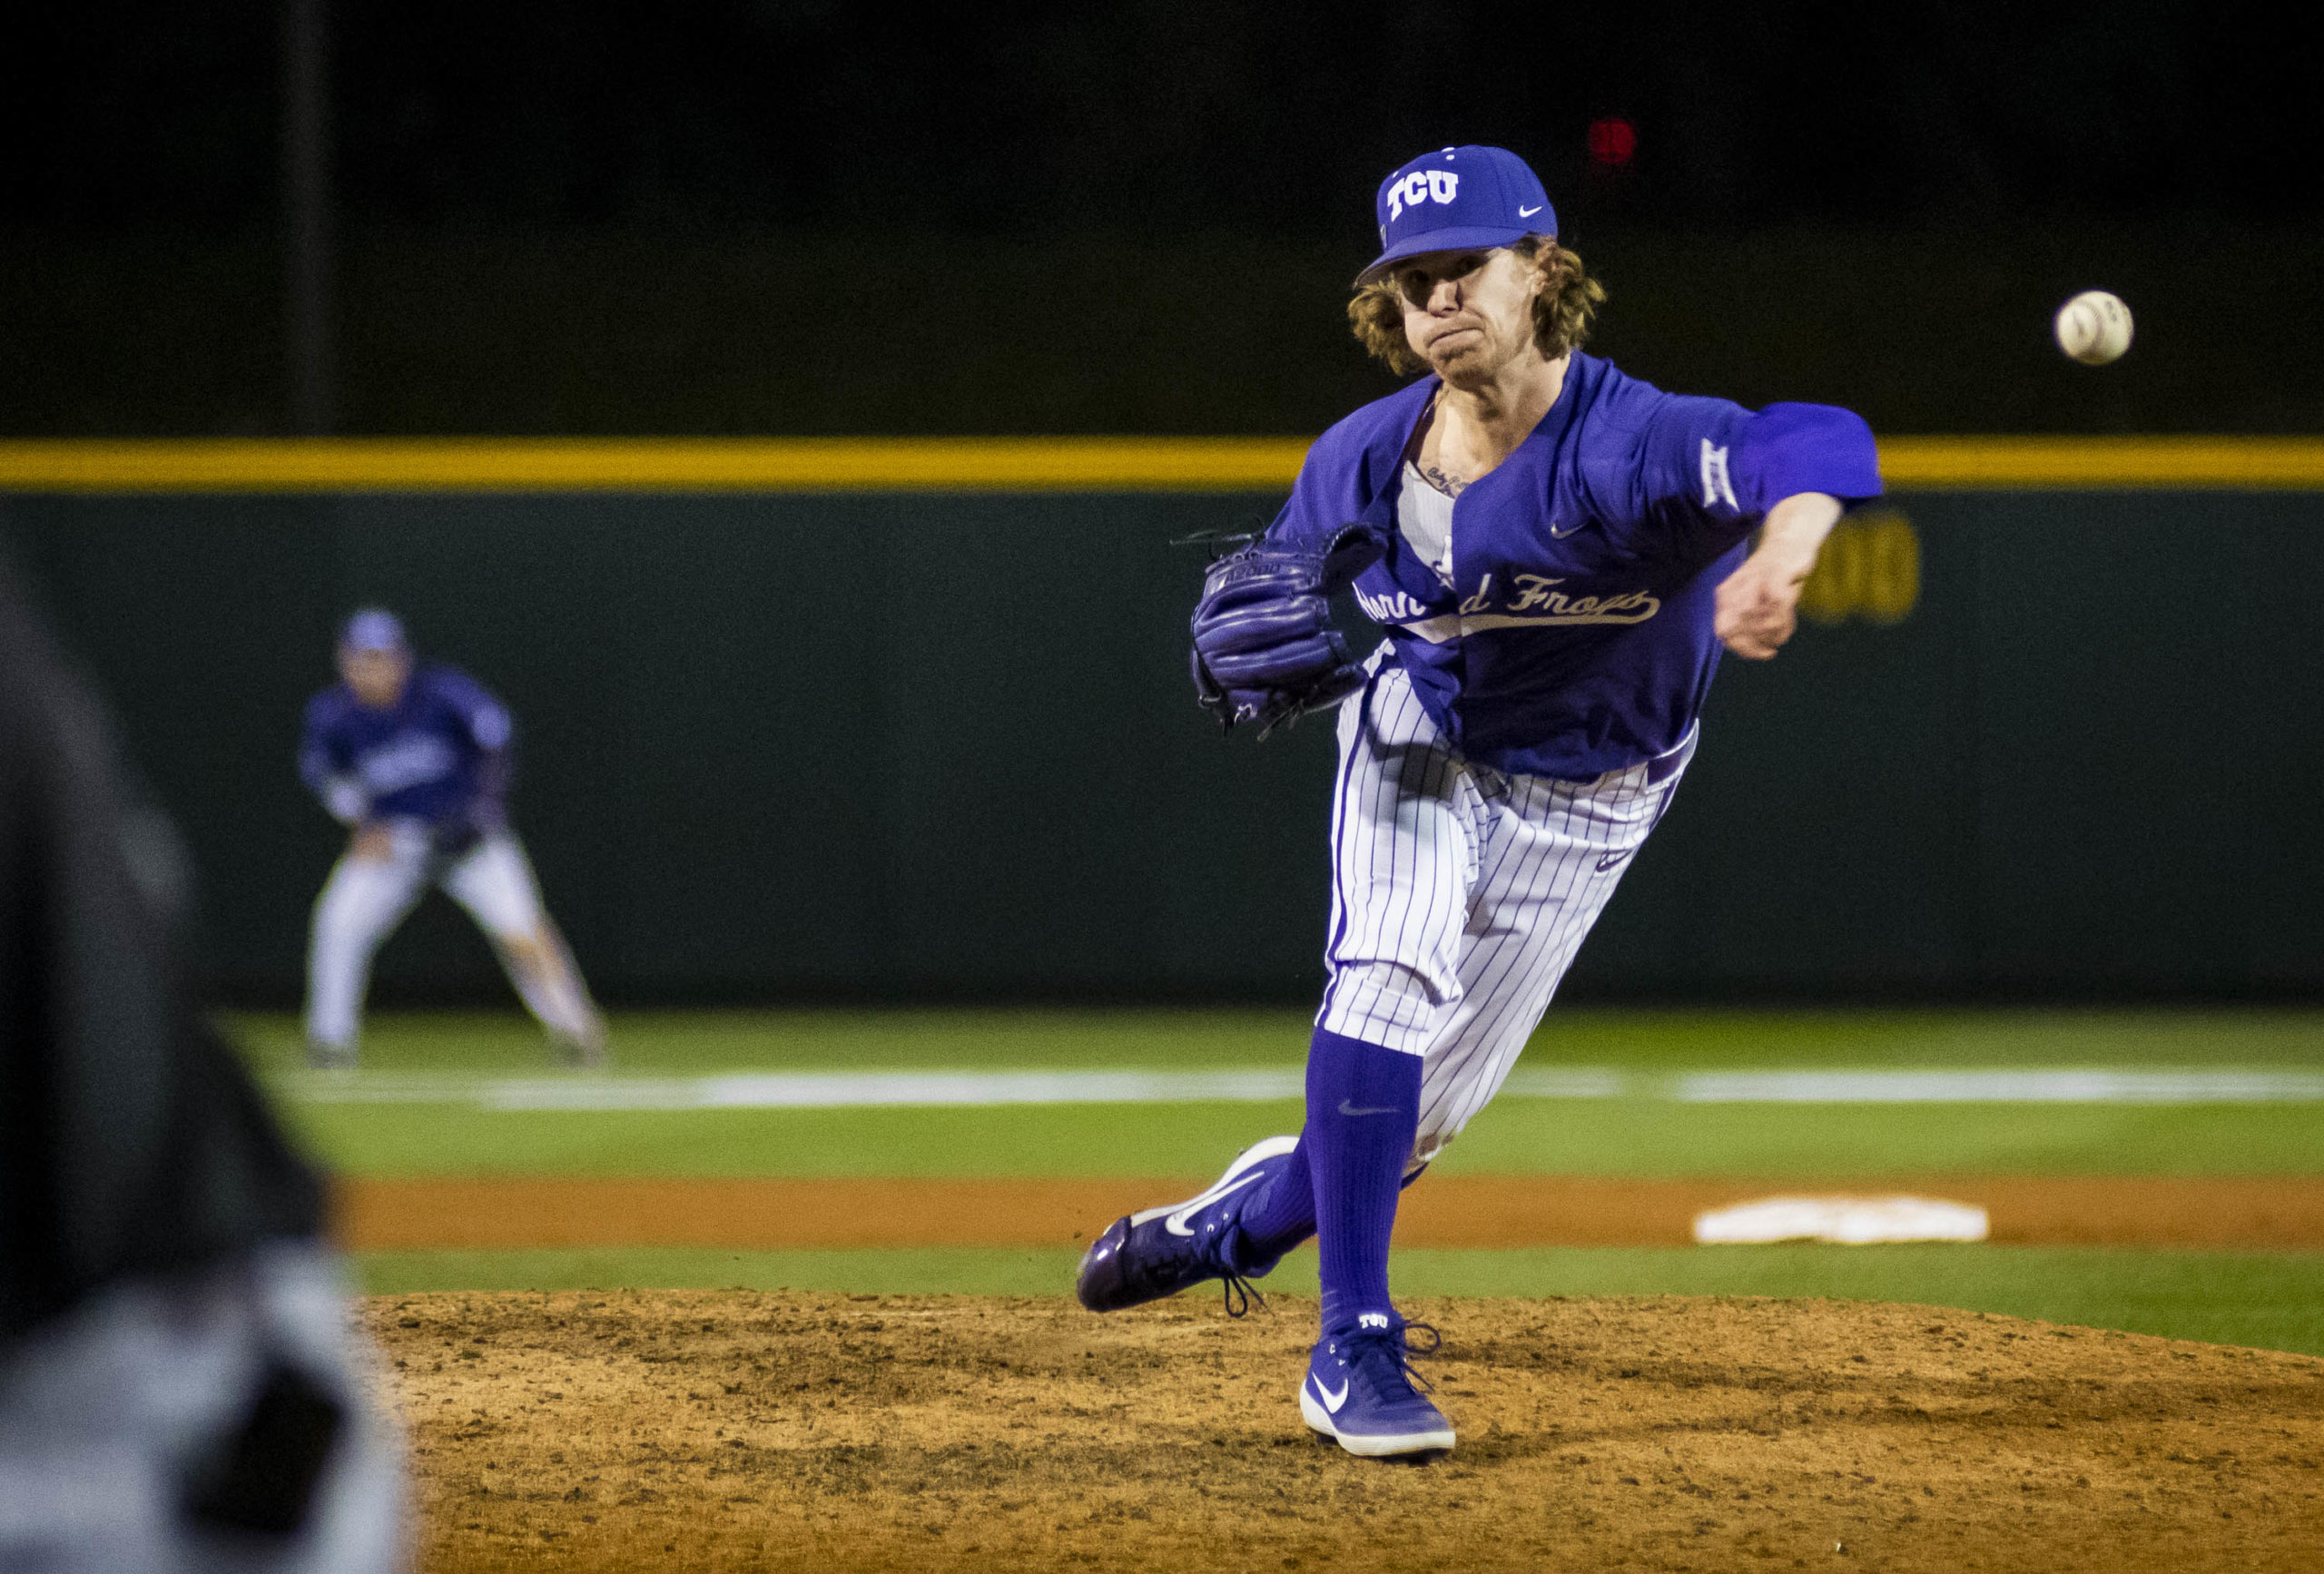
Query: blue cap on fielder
x=373 y=629
x=1455 y=199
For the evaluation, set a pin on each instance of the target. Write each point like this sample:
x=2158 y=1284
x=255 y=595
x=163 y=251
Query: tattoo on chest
x=1443 y=481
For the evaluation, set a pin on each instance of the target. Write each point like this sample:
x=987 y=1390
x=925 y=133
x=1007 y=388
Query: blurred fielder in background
x=414 y=758
x=179 y=1390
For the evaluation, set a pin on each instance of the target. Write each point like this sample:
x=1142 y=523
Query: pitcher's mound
x=736 y=1431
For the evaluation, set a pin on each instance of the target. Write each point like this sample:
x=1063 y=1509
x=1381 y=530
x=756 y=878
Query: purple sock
x=1363 y=1110
x=1280 y=1214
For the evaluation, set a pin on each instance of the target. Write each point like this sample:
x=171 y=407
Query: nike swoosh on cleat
x=1527 y=213
x=1347 y=1106
x=1176 y=1223
x=1332 y=1402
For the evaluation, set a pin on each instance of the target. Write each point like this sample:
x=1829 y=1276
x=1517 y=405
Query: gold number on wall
x=1869 y=568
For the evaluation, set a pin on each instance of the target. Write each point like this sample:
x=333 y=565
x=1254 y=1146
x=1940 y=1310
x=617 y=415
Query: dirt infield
x=2275 y=1212
x=731 y=1430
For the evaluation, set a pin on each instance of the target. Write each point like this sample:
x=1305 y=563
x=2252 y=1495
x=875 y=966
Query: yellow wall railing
x=1009 y=463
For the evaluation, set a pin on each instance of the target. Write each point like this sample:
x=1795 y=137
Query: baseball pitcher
x=1557 y=552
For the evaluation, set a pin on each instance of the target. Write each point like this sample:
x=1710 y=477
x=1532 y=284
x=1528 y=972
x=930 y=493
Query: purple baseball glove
x=1265 y=647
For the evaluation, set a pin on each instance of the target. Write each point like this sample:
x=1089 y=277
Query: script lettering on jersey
x=1421 y=186
x=1560 y=607
x=406 y=760
x=1536 y=604
x=1556 y=607
x=1393 y=607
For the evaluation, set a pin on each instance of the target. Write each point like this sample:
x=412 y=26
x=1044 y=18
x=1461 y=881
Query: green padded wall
x=889 y=746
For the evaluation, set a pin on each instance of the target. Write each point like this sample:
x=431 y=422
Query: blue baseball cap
x=373 y=629
x=1455 y=199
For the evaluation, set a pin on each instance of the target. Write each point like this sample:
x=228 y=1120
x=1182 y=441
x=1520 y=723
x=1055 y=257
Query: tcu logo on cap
x=1435 y=185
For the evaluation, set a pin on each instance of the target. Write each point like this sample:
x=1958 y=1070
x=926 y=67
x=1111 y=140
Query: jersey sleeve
x=489 y=724
x=318 y=761
x=1711 y=470
x=1325 y=498
x=489 y=727
x=324 y=766
x=1789 y=448
x=1348 y=471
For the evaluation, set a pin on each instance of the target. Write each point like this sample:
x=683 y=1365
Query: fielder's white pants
x=108 y=1410
x=1460 y=894
x=366 y=897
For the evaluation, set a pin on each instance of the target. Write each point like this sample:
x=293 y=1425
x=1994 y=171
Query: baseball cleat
x=585 y=1052
x=1359 y=1391
x=1144 y=1256
x=327 y=1057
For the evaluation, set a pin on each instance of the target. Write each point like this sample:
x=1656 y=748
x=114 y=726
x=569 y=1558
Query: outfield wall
x=895 y=720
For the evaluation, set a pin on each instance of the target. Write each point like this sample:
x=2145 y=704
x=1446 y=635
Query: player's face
x=376 y=676
x=1468 y=314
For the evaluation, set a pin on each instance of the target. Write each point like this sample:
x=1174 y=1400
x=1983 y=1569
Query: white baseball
x=2094 y=326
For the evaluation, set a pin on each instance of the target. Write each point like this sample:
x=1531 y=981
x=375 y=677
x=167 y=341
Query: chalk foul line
x=971 y=1089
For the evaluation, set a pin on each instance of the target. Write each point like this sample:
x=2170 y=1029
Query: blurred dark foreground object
x=262 y=1475
x=179 y=1386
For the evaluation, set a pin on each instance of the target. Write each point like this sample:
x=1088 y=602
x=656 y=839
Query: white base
x=1840 y=1220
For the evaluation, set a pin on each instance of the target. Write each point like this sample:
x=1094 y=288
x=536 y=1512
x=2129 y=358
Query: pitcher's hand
x=1758 y=607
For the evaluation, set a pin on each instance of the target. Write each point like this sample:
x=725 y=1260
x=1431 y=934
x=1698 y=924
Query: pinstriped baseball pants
x=1460 y=894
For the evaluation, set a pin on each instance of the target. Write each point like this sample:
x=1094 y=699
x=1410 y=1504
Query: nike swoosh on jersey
x=1612 y=858
x=1347 y=1106
x=1176 y=1223
x=1332 y=1402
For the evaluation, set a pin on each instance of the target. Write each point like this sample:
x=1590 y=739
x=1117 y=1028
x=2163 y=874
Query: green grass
x=2268 y=1300
x=1635 y=1137
x=1161 y=1139
x=2271 y=1300
x=1604 y=1137
x=1638 y=1137
x=679 y=1043
x=675 y=1043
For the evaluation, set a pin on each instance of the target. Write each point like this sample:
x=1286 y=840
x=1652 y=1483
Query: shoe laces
x=1240 y=1294
x=1395 y=1346
x=1236 y=1291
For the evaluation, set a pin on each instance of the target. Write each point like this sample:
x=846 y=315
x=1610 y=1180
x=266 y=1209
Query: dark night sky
x=1210 y=114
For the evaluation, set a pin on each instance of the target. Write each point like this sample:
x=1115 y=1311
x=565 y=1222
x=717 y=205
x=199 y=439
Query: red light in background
x=1613 y=142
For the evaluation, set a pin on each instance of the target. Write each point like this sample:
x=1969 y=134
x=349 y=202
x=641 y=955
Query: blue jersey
x=438 y=755
x=1573 y=636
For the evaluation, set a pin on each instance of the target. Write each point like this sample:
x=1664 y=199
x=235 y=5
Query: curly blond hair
x=1561 y=313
